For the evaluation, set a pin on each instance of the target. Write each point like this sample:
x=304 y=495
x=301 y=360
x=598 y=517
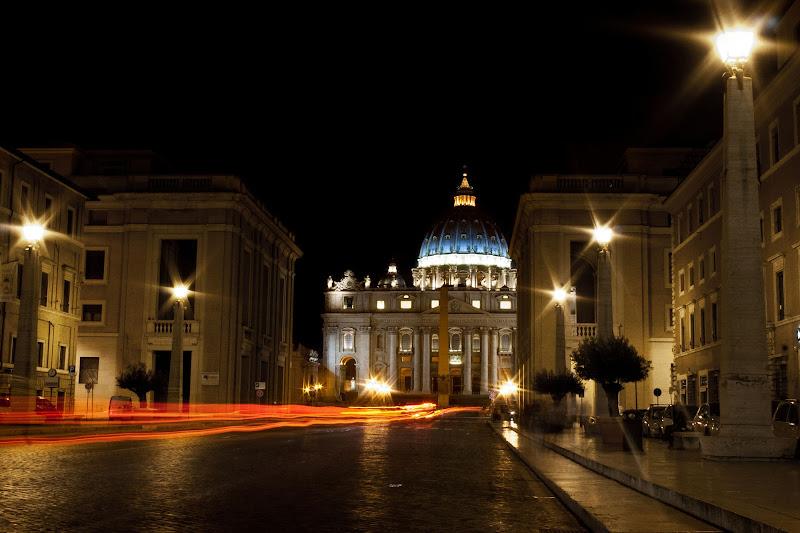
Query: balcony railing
x=582 y=330
x=164 y=327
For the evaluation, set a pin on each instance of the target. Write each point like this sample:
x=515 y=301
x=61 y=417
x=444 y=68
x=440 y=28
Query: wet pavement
x=441 y=474
x=605 y=484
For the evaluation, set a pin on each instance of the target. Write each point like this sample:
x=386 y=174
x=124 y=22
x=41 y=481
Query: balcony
x=159 y=332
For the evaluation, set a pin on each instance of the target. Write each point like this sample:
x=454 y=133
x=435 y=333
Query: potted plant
x=557 y=385
x=610 y=362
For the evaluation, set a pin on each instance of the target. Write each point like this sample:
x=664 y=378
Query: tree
x=610 y=361
x=138 y=379
x=557 y=385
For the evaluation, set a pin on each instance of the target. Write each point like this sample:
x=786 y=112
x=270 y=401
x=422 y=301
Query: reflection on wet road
x=440 y=474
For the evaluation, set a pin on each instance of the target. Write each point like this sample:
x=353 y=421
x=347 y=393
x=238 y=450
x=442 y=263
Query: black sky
x=352 y=125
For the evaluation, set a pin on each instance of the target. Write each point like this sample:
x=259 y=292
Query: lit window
x=381 y=304
x=348 y=303
x=434 y=303
x=505 y=304
x=476 y=304
x=405 y=304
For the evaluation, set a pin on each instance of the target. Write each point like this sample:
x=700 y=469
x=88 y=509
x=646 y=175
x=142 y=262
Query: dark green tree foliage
x=610 y=361
x=138 y=379
x=557 y=385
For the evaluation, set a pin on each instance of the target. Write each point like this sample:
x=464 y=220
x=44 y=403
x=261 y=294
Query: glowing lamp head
x=559 y=295
x=180 y=292
x=508 y=388
x=33 y=232
x=603 y=235
x=734 y=47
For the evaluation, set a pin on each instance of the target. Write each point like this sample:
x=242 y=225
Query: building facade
x=390 y=331
x=32 y=192
x=697 y=258
x=554 y=248
x=147 y=230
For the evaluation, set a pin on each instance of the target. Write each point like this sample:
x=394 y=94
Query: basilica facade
x=390 y=331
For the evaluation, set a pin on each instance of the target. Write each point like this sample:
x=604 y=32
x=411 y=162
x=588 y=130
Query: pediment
x=457 y=307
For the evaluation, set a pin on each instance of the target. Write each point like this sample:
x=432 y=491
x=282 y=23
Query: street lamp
x=179 y=292
x=559 y=295
x=27 y=353
x=603 y=235
x=744 y=382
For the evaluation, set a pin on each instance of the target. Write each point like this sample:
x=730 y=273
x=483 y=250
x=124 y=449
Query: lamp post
x=603 y=235
x=744 y=385
x=179 y=292
x=559 y=295
x=27 y=354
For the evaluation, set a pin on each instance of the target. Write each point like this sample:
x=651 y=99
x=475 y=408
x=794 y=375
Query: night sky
x=352 y=125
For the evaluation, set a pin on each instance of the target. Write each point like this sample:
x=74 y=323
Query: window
x=25 y=198
x=702 y=326
x=66 y=296
x=678 y=233
x=691 y=276
x=95 y=265
x=455 y=342
x=476 y=304
x=348 y=302
x=89 y=370
x=691 y=330
x=435 y=343
x=682 y=281
x=92 y=312
x=476 y=343
x=13 y=349
x=701 y=268
x=714 y=335
x=777 y=219
x=683 y=337
x=779 y=296
x=505 y=304
x=699 y=211
x=405 y=342
x=70 y=229
x=48 y=207
x=62 y=357
x=405 y=304
x=505 y=343
x=348 y=339
x=40 y=354
x=381 y=304
x=774 y=149
x=713 y=255
x=43 y=289
x=434 y=304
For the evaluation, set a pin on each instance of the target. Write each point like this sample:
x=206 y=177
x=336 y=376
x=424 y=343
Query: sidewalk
x=600 y=482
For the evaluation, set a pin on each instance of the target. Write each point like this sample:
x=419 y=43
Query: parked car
x=707 y=419
x=785 y=420
x=676 y=417
x=120 y=408
x=44 y=407
x=652 y=419
x=634 y=414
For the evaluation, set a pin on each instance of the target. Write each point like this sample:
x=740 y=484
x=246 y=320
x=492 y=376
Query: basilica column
x=466 y=363
x=494 y=371
x=391 y=371
x=417 y=361
x=332 y=386
x=426 y=359
x=484 y=360
x=473 y=277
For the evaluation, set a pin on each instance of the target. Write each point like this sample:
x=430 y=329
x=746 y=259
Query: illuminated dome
x=392 y=280
x=465 y=235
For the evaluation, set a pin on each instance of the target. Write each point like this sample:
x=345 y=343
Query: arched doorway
x=348 y=388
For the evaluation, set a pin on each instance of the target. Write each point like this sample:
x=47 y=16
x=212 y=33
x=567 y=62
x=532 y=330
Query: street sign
x=259 y=393
x=656 y=392
x=261 y=385
x=89 y=386
x=71 y=370
x=492 y=394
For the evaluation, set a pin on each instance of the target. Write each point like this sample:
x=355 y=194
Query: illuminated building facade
x=146 y=230
x=698 y=260
x=554 y=248
x=32 y=192
x=390 y=331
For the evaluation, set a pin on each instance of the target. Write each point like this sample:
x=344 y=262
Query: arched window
x=455 y=342
x=405 y=342
x=379 y=341
x=435 y=343
x=476 y=343
x=505 y=343
x=348 y=340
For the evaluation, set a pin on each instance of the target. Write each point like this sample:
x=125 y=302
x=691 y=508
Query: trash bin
x=632 y=434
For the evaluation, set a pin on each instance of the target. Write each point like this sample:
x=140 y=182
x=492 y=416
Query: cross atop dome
x=464 y=194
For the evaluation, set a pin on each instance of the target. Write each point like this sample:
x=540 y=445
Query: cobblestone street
x=444 y=474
